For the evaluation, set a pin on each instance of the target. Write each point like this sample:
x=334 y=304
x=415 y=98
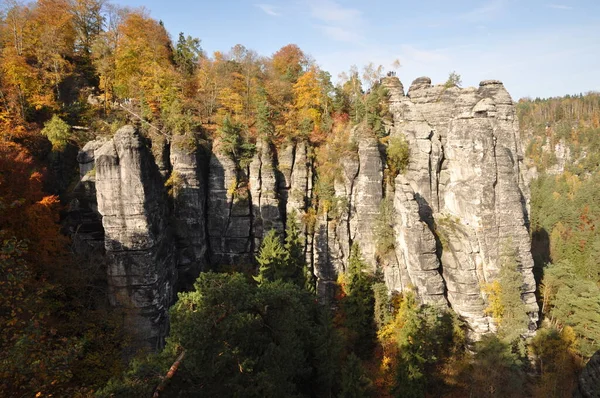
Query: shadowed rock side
x=465 y=172
x=263 y=193
x=229 y=213
x=83 y=220
x=418 y=264
x=589 y=380
x=189 y=162
x=141 y=258
x=461 y=207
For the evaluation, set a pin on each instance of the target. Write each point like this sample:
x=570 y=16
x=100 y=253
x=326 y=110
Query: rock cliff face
x=189 y=163
x=460 y=207
x=139 y=244
x=465 y=174
x=589 y=379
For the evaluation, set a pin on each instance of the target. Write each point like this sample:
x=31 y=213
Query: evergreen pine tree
x=354 y=381
x=233 y=142
x=271 y=259
x=294 y=252
x=359 y=304
x=264 y=124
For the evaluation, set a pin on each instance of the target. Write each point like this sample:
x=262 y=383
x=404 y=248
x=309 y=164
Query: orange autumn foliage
x=25 y=211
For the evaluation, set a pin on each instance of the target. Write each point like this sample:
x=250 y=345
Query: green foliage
x=272 y=261
x=425 y=337
x=178 y=120
x=242 y=340
x=58 y=132
x=376 y=109
x=574 y=301
x=506 y=305
x=187 y=53
x=358 y=305
x=264 y=123
x=354 y=380
x=383 y=230
x=397 y=155
x=454 y=80
x=294 y=255
x=284 y=262
x=140 y=379
x=382 y=307
x=565 y=211
x=234 y=144
x=495 y=370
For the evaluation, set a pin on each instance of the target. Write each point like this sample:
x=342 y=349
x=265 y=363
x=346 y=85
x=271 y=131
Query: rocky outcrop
x=367 y=193
x=83 y=221
x=465 y=172
x=229 y=213
x=589 y=379
x=188 y=184
x=418 y=264
x=264 y=198
x=141 y=257
x=460 y=206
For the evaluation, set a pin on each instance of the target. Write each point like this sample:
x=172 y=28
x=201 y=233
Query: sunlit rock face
x=138 y=241
x=460 y=208
x=466 y=175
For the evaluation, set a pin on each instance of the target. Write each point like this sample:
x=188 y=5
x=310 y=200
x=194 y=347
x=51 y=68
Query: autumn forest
x=73 y=71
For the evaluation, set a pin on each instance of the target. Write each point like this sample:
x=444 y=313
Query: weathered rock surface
x=229 y=213
x=367 y=193
x=84 y=223
x=466 y=174
x=189 y=162
x=460 y=207
x=141 y=258
x=418 y=264
x=589 y=379
x=264 y=198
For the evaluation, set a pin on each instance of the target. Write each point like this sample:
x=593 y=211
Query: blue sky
x=537 y=48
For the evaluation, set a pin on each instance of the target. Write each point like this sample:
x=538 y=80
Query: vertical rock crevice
x=465 y=175
x=462 y=199
x=138 y=240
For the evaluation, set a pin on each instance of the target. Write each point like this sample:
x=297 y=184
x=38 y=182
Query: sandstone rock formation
x=460 y=207
x=589 y=379
x=229 y=212
x=465 y=173
x=189 y=162
x=139 y=245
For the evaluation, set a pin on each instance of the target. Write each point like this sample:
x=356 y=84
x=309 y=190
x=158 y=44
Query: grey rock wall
x=189 y=162
x=460 y=207
x=139 y=246
x=466 y=174
x=229 y=213
x=588 y=385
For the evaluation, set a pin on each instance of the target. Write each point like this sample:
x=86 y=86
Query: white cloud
x=560 y=6
x=268 y=9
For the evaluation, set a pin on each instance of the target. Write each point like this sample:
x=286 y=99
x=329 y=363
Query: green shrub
x=397 y=155
x=57 y=131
